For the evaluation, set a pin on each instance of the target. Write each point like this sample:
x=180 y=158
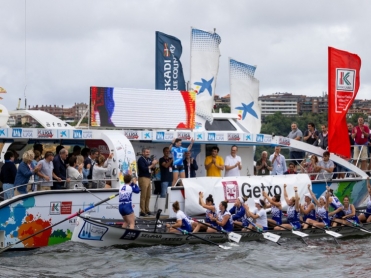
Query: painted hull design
x=100 y=234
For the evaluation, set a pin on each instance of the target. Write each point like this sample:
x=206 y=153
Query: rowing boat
x=107 y=232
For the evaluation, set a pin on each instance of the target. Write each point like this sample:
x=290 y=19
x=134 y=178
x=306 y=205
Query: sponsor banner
x=284 y=141
x=343 y=84
x=237 y=137
x=244 y=90
x=147 y=135
x=64 y=133
x=82 y=134
x=3 y=132
x=204 y=69
x=230 y=188
x=133 y=134
x=114 y=107
x=215 y=136
x=164 y=136
x=263 y=138
x=92 y=231
x=30 y=133
x=45 y=133
x=185 y=136
x=60 y=208
x=169 y=70
x=249 y=137
x=199 y=136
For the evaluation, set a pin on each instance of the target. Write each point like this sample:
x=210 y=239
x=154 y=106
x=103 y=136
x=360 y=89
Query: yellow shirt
x=213 y=170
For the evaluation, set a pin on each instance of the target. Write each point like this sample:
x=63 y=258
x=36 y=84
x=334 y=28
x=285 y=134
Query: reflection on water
x=249 y=259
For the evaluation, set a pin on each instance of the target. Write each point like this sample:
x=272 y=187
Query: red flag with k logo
x=343 y=84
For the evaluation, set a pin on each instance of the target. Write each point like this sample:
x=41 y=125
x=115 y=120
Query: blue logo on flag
x=77 y=134
x=160 y=135
x=17 y=132
x=211 y=136
x=204 y=85
x=259 y=138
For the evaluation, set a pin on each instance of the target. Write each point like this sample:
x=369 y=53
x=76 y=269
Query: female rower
x=208 y=204
x=182 y=221
x=366 y=217
x=259 y=214
x=336 y=205
x=223 y=219
x=238 y=210
x=293 y=211
x=308 y=209
x=276 y=209
x=322 y=210
x=350 y=216
x=125 y=206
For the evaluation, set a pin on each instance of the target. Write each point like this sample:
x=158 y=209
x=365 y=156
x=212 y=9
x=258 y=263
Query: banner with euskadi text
x=230 y=188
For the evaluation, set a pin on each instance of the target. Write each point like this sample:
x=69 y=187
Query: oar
x=231 y=235
x=69 y=217
x=266 y=235
x=204 y=239
x=297 y=233
x=157 y=217
x=355 y=226
x=331 y=233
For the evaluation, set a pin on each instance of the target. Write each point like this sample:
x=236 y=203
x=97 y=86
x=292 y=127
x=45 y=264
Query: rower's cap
x=241 y=200
x=257 y=201
x=308 y=195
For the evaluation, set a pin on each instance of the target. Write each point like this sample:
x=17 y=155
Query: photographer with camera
x=146 y=164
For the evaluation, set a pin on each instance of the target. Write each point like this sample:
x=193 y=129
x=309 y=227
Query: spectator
x=322 y=140
x=25 y=172
x=75 y=152
x=264 y=165
x=16 y=157
x=58 y=149
x=214 y=163
x=178 y=154
x=278 y=162
x=38 y=147
x=291 y=169
x=190 y=165
x=145 y=166
x=310 y=166
x=46 y=174
x=35 y=185
x=166 y=171
x=60 y=170
x=100 y=169
x=325 y=167
x=360 y=135
x=75 y=175
x=351 y=140
x=8 y=174
x=311 y=134
x=232 y=163
x=296 y=155
x=85 y=152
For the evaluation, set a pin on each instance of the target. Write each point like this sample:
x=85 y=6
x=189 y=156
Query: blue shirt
x=178 y=153
x=126 y=191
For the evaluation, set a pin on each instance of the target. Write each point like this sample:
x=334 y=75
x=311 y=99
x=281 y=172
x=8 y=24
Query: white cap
x=308 y=195
x=257 y=201
x=241 y=199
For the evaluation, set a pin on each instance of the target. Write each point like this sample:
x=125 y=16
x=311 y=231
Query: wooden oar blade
x=300 y=234
x=334 y=234
x=234 y=237
x=271 y=236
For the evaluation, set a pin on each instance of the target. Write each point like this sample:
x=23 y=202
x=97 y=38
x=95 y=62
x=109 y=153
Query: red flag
x=343 y=84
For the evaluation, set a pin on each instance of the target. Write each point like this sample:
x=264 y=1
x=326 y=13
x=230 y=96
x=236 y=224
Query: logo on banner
x=215 y=136
x=166 y=50
x=132 y=135
x=60 y=208
x=231 y=192
x=130 y=235
x=17 y=132
x=345 y=79
x=233 y=137
x=63 y=133
x=27 y=133
x=199 y=136
x=3 y=133
x=184 y=135
x=77 y=134
x=284 y=141
x=45 y=133
x=259 y=137
x=147 y=135
x=164 y=135
x=249 y=137
x=92 y=232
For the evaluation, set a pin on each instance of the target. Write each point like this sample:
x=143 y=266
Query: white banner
x=244 y=90
x=230 y=188
x=204 y=69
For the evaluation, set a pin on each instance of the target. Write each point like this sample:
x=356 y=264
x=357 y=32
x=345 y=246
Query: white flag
x=244 y=91
x=204 y=69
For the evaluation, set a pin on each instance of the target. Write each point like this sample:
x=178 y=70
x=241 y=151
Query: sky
x=53 y=51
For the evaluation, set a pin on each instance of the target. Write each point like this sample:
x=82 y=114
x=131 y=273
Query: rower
x=349 y=210
x=322 y=219
x=366 y=217
x=208 y=204
x=258 y=214
x=308 y=209
x=182 y=220
x=238 y=210
x=337 y=207
x=276 y=209
x=125 y=206
x=293 y=211
x=223 y=219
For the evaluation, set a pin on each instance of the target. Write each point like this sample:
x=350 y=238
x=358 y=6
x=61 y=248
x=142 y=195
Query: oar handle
x=192 y=234
x=210 y=226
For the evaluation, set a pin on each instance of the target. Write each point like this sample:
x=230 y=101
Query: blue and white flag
x=204 y=69
x=169 y=70
x=244 y=91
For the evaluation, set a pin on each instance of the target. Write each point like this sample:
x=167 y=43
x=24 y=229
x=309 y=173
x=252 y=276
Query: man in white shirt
x=278 y=162
x=232 y=165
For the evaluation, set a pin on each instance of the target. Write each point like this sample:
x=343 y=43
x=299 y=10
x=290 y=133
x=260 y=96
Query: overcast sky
x=72 y=45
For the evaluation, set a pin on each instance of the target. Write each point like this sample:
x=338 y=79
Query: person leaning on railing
x=25 y=172
x=310 y=166
x=7 y=175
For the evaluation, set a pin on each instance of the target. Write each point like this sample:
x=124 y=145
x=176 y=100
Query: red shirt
x=358 y=139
